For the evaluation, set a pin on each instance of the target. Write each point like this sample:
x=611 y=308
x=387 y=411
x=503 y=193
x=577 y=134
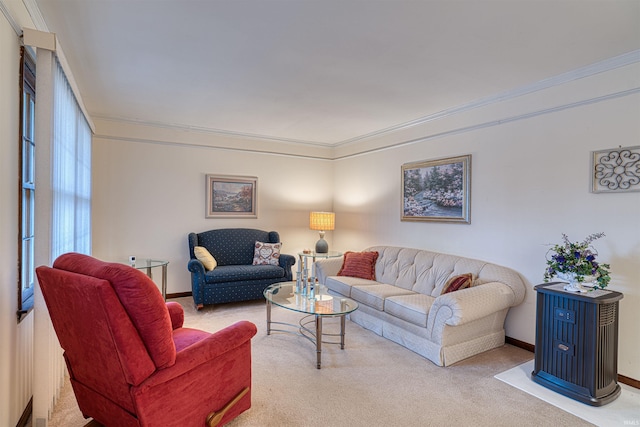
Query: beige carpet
x=372 y=382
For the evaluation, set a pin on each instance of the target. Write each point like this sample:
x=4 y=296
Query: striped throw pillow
x=456 y=283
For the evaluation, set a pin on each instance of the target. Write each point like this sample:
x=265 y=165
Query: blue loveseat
x=235 y=278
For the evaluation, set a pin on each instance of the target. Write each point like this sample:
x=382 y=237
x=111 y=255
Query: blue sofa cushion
x=234 y=273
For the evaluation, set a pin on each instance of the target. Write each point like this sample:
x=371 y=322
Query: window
x=26 y=204
x=70 y=178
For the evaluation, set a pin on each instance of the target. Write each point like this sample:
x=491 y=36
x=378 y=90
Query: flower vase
x=572 y=283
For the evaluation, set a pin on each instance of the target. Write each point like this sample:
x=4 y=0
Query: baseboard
x=530 y=347
x=521 y=344
x=179 y=295
x=629 y=381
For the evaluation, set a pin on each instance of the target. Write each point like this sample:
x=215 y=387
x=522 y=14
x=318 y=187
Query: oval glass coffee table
x=320 y=306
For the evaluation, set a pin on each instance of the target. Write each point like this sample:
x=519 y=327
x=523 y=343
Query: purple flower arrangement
x=578 y=258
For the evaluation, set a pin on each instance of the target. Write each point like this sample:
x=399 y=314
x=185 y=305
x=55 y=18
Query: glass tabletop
x=283 y=295
x=148 y=263
x=330 y=254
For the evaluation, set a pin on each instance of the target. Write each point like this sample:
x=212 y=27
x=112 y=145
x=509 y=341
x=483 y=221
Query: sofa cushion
x=342 y=285
x=375 y=295
x=414 y=308
x=359 y=264
x=235 y=273
x=266 y=253
x=203 y=255
x=458 y=282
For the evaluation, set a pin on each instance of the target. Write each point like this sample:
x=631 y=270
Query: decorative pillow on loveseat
x=205 y=257
x=359 y=264
x=266 y=253
x=456 y=283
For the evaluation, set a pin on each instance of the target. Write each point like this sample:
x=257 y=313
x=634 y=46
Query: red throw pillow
x=457 y=282
x=359 y=264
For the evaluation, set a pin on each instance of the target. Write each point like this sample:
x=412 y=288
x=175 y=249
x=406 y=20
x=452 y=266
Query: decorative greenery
x=578 y=258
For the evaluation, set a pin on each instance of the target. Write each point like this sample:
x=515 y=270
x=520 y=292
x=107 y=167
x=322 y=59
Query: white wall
x=530 y=184
x=147 y=197
x=11 y=393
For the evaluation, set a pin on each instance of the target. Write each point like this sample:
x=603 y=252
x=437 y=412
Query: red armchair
x=130 y=360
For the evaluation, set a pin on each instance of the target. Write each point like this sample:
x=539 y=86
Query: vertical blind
x=70 y=223
x=71 y=172
x=63 y=201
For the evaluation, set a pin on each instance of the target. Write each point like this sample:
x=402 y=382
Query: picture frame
x=616 y=170
x=437 y=190
x=231 y=196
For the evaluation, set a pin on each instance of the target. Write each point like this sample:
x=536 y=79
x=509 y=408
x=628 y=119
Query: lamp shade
x=322 y=221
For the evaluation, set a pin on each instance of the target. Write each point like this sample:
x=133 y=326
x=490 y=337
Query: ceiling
x=322 y=71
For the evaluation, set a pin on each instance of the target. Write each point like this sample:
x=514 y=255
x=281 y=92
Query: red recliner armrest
x=204 y=351
x=176 y=312
x=207 y=375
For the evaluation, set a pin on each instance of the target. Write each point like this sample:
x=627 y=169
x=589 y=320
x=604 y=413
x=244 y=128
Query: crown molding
x=36 y=15
x=10 y=19
x=209 y=147
x=583 y=72
x=496 y=122
x=586 y=71
x=211 y=131
x=455 y=131
x=41 y=27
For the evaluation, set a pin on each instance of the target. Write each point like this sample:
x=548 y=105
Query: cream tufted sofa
x=404 y=303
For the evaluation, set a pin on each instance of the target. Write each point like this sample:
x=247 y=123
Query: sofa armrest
x=176 y=312
x=197 y=280
x=467 y=305
x=286 y=262
x=204 y=351
x=327 y=267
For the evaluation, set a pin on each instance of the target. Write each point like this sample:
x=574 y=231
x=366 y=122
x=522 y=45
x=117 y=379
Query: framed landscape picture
x=231 y=196
x=437 y=190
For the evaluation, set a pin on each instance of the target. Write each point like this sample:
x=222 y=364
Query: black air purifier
x=576 y=351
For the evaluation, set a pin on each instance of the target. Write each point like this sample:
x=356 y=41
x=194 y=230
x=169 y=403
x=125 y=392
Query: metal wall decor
x=616 y=170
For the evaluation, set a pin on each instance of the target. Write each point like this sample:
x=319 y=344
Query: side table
x=303 y=267
x=148 y=265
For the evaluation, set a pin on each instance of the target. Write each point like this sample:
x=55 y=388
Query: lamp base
x=322 y=247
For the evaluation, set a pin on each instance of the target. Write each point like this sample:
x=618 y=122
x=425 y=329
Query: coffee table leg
x=318 y=341
x=268 y=317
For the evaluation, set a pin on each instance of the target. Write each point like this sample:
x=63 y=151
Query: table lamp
x=322 y=221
